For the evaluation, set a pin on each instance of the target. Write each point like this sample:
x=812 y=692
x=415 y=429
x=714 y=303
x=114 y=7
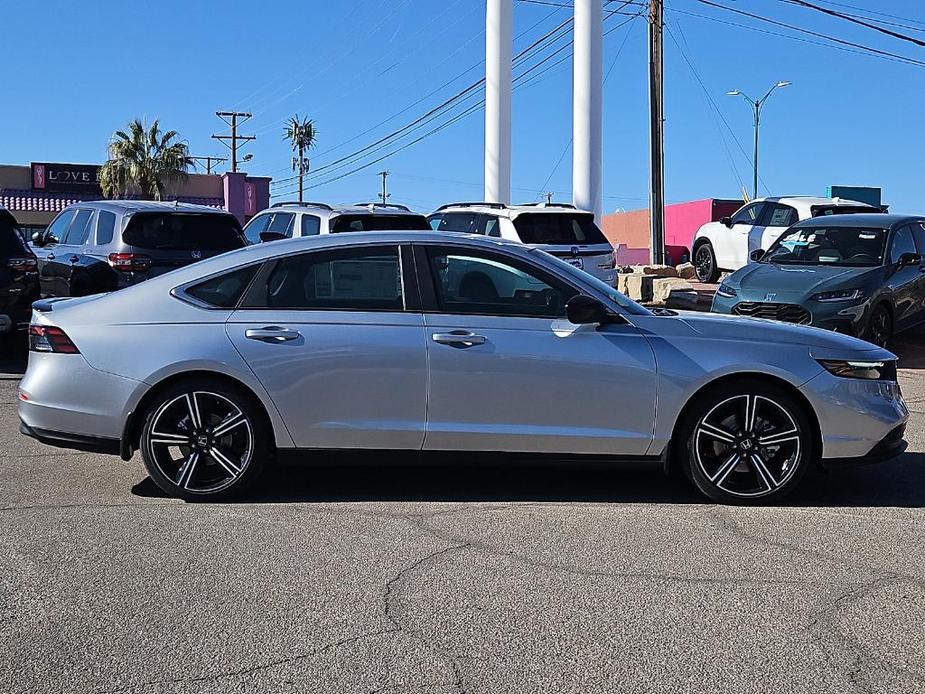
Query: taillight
x=50 y=338
x=25 y=264
x=129 y=262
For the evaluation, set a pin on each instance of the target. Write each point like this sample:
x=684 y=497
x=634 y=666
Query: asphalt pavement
x=367 y=575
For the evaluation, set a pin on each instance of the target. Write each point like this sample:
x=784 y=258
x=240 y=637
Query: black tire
x=215 y=459
x=758 y=464
x=705 y=263
x=880 y=326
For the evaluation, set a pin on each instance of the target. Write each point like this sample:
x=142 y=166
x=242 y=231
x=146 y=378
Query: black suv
x=101 y=246
x=19 y=281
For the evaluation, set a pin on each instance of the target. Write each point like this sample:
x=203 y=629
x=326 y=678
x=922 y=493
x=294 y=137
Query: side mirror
x=272 y=236
x=756 y=254
x=583 y=309
x=38 y=238
x=907 y=259
x=726 y=222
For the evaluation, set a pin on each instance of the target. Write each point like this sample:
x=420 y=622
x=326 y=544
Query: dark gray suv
x=101 y=246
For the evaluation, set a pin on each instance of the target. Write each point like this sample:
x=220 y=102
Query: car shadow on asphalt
x=372 y=477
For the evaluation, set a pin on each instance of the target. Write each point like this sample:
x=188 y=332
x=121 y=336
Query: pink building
x=629 y=231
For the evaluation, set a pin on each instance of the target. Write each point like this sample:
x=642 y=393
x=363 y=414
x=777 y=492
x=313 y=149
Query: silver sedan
x=419 y=341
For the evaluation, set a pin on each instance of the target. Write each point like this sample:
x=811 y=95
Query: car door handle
x=50 y=256
x=272 y=333
x=74 y=258
x=459 y=338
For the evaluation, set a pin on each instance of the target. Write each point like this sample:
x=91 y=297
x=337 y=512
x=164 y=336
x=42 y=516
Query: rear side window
x=783 y=216
x=378 y=222
x=105 y=226
x=183 y=232
x=558 y=229
x=11 y=242
x=349 y=279
x=311 y=225
x=225 y=290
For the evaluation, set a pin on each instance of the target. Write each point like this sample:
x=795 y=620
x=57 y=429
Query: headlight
x=726 y=291
x=866 y=370
x=840 y=295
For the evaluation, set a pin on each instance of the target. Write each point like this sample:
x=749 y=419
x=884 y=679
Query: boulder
x=666 y=289
x=686 y=271
x=655 y=270
x=636 y=286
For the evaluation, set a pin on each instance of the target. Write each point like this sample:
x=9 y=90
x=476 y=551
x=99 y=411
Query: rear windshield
x=558 y=229
x=825 y=210
x=11 y=242
x=183 y=232
x=379 y=222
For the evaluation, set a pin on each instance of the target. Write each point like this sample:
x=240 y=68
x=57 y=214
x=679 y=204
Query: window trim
x=270 y=264
x=427 y=282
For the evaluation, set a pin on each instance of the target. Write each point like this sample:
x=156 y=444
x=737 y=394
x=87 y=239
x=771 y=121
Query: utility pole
x=656 y=136
x=234 y=137
x=209 y=161
x=499 y=40
x=385 y=192
x=587 y=106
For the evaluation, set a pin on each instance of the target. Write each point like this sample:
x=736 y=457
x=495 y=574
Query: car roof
x=874 y=220
x=500 y=209
x=356 y=208
x=130 y=206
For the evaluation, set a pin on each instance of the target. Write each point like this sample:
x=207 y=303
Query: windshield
x=379 y=222
x=11 y=242
x=558 y=229
x=619 y=299
x=183 y=232
x=840 y=246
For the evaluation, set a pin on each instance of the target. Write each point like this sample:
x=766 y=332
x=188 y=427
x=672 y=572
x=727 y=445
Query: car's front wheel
x=880 y=326
x=705 y=263
x=749 y=442
x=204 y=440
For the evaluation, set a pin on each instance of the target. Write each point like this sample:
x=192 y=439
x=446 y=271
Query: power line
x=853 y=20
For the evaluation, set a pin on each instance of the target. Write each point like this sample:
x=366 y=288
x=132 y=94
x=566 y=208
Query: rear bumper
x=78 y=442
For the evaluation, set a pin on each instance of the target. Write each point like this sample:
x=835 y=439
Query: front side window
x=902 y=243
x=55 y=231
x=347 y=279
x=257 y=225
x=558 y=229
x=750 y=214
x=105 y=226
x=467 y=282
x=434 y=220
x=282 y=223
x=225 y=290
x=918 y=233
x=79 y=229
x=843 y=246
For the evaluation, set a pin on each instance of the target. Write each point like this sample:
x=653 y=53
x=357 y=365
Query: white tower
x=498 y=44
x=587 y=107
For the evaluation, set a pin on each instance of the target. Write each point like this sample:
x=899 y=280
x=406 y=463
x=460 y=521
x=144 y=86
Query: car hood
x=822 y=344
x=794 y=283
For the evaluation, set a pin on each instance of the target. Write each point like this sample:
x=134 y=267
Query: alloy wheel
x=748 y=446
x=880 y=328
x=703 y=263
x=201 y=441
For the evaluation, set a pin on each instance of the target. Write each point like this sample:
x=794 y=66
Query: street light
x=756 y=106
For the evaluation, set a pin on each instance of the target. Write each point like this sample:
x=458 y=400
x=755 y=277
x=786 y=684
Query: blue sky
x=77 y=71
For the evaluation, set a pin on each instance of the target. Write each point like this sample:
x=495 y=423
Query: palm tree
x=144 y=160
x=301 y=134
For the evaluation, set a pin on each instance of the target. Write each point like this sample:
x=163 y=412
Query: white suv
x=730 y=243
x=556 y=228
x=292 y=219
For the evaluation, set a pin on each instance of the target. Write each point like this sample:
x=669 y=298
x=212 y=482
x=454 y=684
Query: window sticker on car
x=867 y=237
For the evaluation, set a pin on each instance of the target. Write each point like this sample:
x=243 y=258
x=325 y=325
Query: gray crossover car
x=423 y=341
x=859 y=274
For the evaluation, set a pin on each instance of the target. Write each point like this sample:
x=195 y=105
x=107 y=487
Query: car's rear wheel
x=880 y=326
x=705 y=263
x=746 y=443
x=204 y=440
